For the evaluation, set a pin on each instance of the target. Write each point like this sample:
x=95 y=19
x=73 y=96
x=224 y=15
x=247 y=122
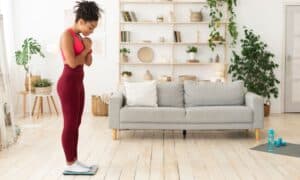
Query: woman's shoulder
x=66 y=34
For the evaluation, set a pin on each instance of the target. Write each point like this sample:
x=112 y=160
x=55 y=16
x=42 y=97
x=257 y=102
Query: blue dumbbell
x=277 y=143
x=283 y=143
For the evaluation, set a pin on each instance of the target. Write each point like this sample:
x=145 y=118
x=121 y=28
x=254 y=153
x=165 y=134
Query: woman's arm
x=66 y=44
x=89 y=59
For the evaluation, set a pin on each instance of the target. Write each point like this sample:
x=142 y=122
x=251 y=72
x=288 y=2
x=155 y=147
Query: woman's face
x=87 y=27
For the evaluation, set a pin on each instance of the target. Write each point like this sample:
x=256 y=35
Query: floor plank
x=150 y=154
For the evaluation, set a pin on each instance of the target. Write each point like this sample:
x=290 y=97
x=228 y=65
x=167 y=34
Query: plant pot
x=192 y=55
x=43 y=90
x=267 y=110
x=29 y=80
x=126 y=78
x=124 y=58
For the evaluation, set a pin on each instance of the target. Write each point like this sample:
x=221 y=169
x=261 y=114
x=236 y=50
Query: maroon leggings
x=71 y=93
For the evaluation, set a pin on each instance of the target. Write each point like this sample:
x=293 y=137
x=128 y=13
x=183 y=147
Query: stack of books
x=177 y=36
x=129 y=16
x=125 y=36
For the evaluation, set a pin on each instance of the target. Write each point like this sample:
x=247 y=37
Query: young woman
x=76 y=52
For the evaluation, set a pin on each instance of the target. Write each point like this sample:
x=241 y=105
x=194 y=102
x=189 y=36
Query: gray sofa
x=191 y=105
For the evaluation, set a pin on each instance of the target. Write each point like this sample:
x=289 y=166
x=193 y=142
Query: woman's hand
x=87 y=43
x=88 y=59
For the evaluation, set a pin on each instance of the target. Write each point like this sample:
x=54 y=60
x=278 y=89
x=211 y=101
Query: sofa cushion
x=219 y=114
x=141 y=93
x=170 y=94
x=213 y=94
x=152 y=114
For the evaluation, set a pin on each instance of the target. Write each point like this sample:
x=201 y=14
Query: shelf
x=164 y=43
x=166 y=23
x=144 y=64
x=163 y=2
x=175 y=64
x=199 y=64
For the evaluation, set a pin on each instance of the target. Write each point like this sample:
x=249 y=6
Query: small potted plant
x=29 y=47
x=43 y=86
x=126 y=75
x=124 y=54
x=192 y=50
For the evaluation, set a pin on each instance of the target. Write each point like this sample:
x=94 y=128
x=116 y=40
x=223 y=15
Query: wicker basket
x=99 y=107
x=196 y=16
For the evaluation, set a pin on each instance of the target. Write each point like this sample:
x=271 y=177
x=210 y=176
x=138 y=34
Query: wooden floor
x=151 y=155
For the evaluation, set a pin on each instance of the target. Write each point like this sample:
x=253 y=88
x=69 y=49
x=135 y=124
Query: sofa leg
x=184 y=133
x=114 y=134
x=257 y=132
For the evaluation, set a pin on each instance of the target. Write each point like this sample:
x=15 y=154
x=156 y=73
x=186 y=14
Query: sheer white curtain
x=8 y=133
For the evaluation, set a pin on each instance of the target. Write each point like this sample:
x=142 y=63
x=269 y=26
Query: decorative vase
x=192 y=55
x=126 y=78
x=30 y=80
x=217 y=60
x=148 y=76
x=124 y=58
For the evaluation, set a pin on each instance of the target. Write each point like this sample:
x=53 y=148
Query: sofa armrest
x=256 y=103
x=115 y=104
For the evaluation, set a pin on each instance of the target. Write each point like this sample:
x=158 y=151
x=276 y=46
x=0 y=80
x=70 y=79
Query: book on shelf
x=133 y=16
x=177 y=36
x=125 y=18
x=129 y=16
x=125 y=36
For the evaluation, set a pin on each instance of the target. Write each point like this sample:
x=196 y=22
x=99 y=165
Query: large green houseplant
x=255 y=66
x=29 y=47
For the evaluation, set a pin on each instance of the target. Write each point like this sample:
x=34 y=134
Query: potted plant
x=255 y=66
x=29 y=47
x=43 y=86
x=126 y=75
x=192 y=50
x=124 y=56
x=216 y=13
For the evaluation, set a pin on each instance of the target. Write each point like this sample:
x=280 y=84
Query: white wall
x=44 y=20
x=265 y=17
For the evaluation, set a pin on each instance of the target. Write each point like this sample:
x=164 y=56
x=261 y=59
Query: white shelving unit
x=174 y=63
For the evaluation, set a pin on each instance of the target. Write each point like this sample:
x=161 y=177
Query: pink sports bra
x=78 y=45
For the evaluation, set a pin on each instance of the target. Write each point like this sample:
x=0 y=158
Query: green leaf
x=29 y=47
x=255 y=66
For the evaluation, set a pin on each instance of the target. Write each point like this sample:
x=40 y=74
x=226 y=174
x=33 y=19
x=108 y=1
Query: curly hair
x=87 y=10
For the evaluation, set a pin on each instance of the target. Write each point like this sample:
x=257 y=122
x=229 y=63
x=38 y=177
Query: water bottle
x=271 y=134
